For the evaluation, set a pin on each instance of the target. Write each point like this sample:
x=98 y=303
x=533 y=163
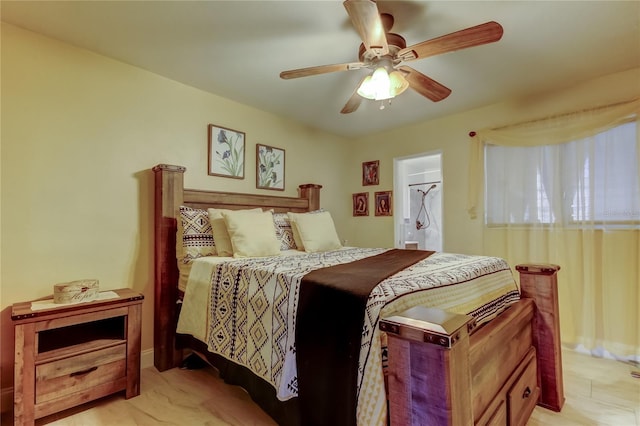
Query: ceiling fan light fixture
x=366 y=89
x=377 y=86
x=398 y=83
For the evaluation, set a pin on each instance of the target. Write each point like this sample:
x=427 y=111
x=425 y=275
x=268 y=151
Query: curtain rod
x=425 y=183
x=473 y=133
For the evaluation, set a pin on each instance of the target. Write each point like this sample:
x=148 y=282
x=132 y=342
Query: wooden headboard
x=170 y=194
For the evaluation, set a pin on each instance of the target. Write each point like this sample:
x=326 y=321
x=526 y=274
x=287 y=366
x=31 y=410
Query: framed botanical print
x=370 y=173
x=361 y=204
x=269 y=167
x=383 y=203
x=226 y=152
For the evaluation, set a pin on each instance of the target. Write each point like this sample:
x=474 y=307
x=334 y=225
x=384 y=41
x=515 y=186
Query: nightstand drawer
x=77 y=373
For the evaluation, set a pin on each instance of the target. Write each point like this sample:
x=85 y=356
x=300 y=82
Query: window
x=589 y=181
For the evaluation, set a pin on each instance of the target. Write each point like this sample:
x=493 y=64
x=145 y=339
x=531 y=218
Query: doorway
x=418 y=201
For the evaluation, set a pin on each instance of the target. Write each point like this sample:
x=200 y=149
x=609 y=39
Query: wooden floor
x=598 y=392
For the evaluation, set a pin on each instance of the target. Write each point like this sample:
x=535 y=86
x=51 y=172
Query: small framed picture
x=269 y=167
x=383 y=203
x=361 y=204
x=370 y=173
x=226 y=152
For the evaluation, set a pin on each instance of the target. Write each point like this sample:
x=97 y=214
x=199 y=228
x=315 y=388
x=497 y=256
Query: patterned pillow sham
x=197 y=237
x=284 y=232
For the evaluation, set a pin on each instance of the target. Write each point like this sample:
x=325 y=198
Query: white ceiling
x=236 y=49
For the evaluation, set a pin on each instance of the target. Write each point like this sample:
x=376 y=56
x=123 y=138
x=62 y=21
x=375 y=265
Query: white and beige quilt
x=245 y=309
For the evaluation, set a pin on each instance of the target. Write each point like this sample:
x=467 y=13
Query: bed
x=444 y=367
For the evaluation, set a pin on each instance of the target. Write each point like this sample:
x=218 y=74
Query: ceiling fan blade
x=354 y=101
x=322 y=69
x=366 y=20
x=352 y=104
x=422 y=84
x=488 y=32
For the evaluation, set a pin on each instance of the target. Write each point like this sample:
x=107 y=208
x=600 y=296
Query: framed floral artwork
x=370 y=173
x=361 y=204
x=269 y=167
x=226 y=152
x=383 y=203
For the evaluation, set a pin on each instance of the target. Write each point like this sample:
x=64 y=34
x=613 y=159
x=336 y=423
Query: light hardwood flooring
x=598 y=392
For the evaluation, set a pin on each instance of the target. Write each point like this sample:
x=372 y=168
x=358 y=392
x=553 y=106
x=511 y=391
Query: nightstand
x=67 y=355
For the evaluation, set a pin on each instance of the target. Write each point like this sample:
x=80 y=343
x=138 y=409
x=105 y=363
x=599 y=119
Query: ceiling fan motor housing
x=396 y=43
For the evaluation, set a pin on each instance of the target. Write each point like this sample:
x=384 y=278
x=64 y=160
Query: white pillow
x=296 y=234
x=316 y=231
x=294 y=228
x=219 y=231
x=252 y=233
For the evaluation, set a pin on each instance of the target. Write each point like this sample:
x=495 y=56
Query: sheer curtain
x=566 y=190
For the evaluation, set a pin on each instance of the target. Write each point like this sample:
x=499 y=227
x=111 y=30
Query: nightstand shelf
x=71 y=354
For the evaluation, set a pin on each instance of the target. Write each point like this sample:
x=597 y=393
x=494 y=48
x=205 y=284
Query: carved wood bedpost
x=539 y=282
x=429 y=371
x=168 y=198
x=312 y=193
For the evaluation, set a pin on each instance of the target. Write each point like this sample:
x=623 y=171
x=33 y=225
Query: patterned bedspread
x=251 y=304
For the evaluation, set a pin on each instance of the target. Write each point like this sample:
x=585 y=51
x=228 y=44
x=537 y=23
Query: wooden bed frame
x=442 y=369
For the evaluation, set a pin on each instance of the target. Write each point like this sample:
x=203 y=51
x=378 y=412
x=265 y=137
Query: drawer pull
x=526 y=393
x=89 y=370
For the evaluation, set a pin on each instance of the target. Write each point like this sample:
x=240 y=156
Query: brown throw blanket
x=330 y=317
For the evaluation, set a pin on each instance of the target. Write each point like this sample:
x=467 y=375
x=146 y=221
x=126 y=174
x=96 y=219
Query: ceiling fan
x=387 y=53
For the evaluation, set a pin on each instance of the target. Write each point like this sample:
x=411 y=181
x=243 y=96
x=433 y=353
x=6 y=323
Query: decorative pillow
x=252 y=233
x=294 y=228
x=284 y=231
x=317 y=231
x=219 y=229
x=193 y=240
x=197 y=237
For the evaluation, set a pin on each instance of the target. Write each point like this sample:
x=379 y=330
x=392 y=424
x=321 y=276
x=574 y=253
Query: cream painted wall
x=450 y=135
x=80 y=133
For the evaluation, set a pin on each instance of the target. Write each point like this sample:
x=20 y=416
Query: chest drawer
x=77 y=373
x=523 y=395
x=498 y=417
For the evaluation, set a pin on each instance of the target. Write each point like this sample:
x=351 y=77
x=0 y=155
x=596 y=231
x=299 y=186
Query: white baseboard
x=6 y=400
x=146 y=358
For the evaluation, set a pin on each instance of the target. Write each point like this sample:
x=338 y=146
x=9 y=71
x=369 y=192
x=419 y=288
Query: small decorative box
x=75 y=291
